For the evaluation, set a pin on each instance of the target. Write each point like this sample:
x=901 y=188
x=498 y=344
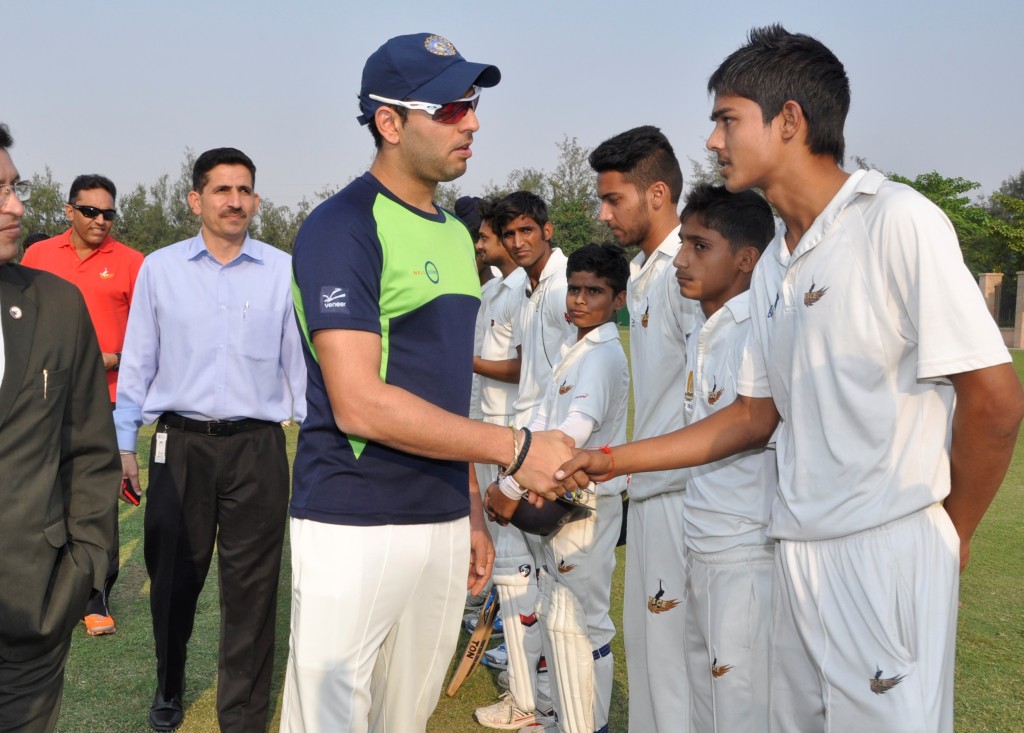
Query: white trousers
x=864 y=629
x=375 y=620
x=654 y=615
x=728 y=618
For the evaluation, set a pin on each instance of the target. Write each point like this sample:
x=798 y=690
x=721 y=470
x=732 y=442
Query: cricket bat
x=477 y=643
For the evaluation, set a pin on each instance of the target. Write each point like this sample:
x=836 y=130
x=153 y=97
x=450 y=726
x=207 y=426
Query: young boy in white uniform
x=522 y=220
x=586 y=398
x=726 y=503
x=898 y=408
x=639 y=183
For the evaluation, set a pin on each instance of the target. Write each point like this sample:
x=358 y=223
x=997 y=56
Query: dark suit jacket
x=59 y=467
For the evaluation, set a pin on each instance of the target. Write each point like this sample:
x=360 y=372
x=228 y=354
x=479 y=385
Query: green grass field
x=110 y=680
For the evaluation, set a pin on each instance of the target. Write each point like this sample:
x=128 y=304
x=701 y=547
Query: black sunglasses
x=91 y=212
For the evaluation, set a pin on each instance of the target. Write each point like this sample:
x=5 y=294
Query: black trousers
x=231 y=490
x=30 y=691
x=99 y=601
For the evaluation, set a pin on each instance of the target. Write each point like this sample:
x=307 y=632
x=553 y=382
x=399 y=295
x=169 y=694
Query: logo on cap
x=439 y=46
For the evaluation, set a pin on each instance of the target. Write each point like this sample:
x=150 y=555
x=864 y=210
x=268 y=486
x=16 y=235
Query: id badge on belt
x=160 y=450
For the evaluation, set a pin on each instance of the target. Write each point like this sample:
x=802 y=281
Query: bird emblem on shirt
x=812 y=296
x=719 y=670
x=565 y=568
x=106 y=274
x=658 y=603
x=565 y=388
x=646 y=317
x=880 y=685
x=715 y=394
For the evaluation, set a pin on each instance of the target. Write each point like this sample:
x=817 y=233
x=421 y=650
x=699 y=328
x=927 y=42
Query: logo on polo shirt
x=333 y=299
x=564 y=568
x=812 y=296
x=564 y=388
x=771 y=311
x=430 y=270
x=658 y=603
x=106 y=274
x=719 y=670
x=880 y=685
x=716 y=393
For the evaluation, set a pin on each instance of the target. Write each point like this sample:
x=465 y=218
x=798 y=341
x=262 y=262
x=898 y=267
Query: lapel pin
x=15 y=312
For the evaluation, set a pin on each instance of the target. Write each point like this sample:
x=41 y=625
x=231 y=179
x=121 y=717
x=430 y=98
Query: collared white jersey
x=659 y=320
x=544 y=326
x=591 y=377
x=487 y=291
x=727 y=502
x=853 y=334
x=500 y=338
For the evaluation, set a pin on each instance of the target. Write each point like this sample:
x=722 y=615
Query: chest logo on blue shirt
x=333 y=300
x=771 y=310
x=812 y=296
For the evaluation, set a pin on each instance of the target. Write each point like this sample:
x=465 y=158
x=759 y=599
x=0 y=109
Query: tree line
x=991 y=230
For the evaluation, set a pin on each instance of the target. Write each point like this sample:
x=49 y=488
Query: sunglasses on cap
x=91 y=212
x=447 y=114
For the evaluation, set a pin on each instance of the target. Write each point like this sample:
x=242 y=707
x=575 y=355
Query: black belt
x=216 y=428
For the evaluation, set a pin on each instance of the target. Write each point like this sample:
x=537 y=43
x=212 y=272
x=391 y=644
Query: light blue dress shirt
x=211 y=341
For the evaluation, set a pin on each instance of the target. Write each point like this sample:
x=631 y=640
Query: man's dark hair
x=218 y=156
x=744 y=219
x=89 y=182
x=776 y=66
x=467 y=210
x=643 y=156
x=520 y=203
x=606 y=260
x=378 y=141
x=34 y=237
x=6 y=140
x=487 y=208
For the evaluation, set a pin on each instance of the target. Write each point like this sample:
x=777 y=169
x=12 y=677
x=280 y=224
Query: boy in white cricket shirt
x=587 y=399
x=639 y=183
x=521 y=219
x=726 y=503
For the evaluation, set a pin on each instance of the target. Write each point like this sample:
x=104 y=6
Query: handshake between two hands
x=553 y=468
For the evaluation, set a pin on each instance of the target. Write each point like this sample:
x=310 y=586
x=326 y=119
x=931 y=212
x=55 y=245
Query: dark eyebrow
x=720 y=112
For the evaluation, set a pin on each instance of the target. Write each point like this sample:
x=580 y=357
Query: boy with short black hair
x=586 y=398
x=726 y=503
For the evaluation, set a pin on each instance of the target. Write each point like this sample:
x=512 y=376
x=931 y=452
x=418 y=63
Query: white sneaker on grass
x=504 y=714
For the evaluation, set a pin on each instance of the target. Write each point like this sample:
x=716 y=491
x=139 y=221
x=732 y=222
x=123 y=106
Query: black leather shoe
x=165 y=714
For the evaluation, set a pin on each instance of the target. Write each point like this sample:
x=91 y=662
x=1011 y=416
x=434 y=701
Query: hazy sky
x=123 y=87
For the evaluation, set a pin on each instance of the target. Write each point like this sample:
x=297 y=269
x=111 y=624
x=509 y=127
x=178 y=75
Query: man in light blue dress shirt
x=212 y=355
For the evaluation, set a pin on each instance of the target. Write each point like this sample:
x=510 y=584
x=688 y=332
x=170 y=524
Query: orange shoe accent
x=97 y=625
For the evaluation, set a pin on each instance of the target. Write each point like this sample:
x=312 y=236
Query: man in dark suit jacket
x=58 y=467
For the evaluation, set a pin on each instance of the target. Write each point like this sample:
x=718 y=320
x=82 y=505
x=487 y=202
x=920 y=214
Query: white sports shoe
x=504 y=714
x=496 y=658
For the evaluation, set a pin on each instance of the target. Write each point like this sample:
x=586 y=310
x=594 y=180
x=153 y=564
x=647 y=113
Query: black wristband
x=527 y=439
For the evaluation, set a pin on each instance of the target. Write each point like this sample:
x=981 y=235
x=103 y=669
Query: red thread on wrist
x=607 y=450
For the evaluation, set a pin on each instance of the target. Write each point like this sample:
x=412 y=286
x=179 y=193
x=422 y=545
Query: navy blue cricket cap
x=422 y=67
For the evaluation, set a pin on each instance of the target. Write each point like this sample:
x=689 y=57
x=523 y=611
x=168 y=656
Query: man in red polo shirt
x=105 y=271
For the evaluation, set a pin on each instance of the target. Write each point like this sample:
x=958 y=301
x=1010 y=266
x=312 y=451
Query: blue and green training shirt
x=366 y=261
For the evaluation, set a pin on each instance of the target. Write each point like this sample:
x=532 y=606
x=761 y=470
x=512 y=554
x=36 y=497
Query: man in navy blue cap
x=384 y=524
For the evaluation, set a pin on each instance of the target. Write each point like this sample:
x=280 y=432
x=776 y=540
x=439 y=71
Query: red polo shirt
x=106 y=278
